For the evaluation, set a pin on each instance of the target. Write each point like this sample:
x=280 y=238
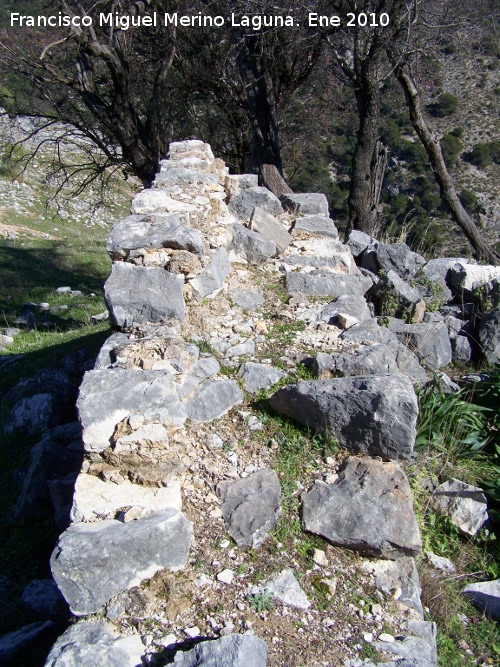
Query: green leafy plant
x=450 y=424
x=261 y=601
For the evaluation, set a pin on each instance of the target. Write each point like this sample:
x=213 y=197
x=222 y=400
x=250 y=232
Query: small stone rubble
x=219 y=292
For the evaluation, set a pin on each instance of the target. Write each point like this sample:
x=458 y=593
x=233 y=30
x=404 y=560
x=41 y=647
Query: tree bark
x=362 y=212
x=271 y=178
x=441 y=174
x=378 y=171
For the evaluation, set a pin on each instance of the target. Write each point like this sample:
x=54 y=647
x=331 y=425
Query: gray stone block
x=94 y=643
x=429 y=341
x=392 y=287
x=310 y=203
x=138 y=294
x=109 y=396
x=315 y=225
x=93 y=562
x=250 y=507
x=466 y=505
x=266 y=224
x=184 y=177
x=259 y=376
x=358 y=242
x=367 y=509
x=229 y=651
x=213 y=399
x=485 y=596
x=354 y=305
x=322 y=283
x=43 y=599
x=247 y=299
x=399 y=258
x=212 y=277
x=365 y=360
x=13 y=642
x=372 y=414
x=251 y=246
x=489 y=335
x=243 y=203
x=401 y=574
x=152 y=231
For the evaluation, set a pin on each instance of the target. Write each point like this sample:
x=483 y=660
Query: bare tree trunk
x=362 y=213
x=271 y=178
x=378 y=175
x=441 y=174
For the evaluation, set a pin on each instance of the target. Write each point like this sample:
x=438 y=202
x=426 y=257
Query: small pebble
x=226 y=576
x=192 y=632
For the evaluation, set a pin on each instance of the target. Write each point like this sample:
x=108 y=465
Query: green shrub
x=457 y=132
x=495 y=151
x=451 y=147
x=480 y=155
x=447 y=105
x=450 y=48
x=414 y=154
x=469 y=201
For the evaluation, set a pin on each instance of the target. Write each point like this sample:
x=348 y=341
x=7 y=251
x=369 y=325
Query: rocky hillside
x=238 y=488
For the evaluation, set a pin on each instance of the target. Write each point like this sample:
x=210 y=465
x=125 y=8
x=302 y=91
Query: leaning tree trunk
x=378 y=171
x=441 y=174
x=362 y=208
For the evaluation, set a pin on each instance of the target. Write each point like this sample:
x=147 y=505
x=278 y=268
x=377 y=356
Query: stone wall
x=217 y=293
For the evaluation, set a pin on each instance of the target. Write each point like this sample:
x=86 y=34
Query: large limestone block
x=468 y=277
x=395 y=257
x=196 y=147
x=466 y=505
x=429 y=341
x=93 y=562
x=308 y=203
x=95 y=499
x=244 y=202
x=322 y=283
x=184 y=178
x=229 y=651
x=152 y=231
x=400 y=575
x=108 y=396
x=249 y=246
x=212 y=277
x=358 y=242
x=369 y=360
x=485 y=595
x=213 y=399
x=94 y=643
x=354 y=305
x=489 y=335
x=370 y=332
x=139 y=294
x=250 y=507
x=315 y=225
x=158 y=201
x=371 y=414
x=258 y=376
x=266 y=224
x=368 y=509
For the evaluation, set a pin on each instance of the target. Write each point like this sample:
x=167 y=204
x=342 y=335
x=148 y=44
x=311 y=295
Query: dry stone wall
x=170 y=468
